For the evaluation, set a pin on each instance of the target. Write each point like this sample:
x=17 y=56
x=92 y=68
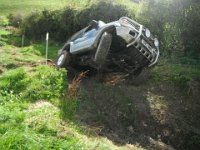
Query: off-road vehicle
x=119 y=46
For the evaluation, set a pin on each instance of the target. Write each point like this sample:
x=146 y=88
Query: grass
x=27 y=6
x=31 y=103
x=16 y=6
x=179 y=74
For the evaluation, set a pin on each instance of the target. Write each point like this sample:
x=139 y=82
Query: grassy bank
x=32 y=98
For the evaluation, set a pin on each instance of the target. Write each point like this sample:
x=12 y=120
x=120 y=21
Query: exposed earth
x=151 y=114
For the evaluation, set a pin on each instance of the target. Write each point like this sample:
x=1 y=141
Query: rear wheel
x=63 y=59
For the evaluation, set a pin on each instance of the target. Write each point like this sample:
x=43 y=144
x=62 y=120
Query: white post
x=47 y=42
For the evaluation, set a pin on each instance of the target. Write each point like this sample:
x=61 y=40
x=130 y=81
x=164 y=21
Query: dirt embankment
x=153 y=115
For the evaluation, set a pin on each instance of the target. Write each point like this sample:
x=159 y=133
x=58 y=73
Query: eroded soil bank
x=153 y=115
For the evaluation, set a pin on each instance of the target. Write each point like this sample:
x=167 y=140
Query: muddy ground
x=151 y=114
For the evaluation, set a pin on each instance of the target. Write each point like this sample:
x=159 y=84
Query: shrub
x=38 y=24
x=62 y=24
x=104 y=10
x=15 y=19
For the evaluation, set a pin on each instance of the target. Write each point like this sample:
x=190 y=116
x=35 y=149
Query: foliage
x=13 y=81
x=23 y=127
x=15 y=19
x=180 y=75
x=190 y=31
x=26 y=123
x=194 y=142
x=45 y=83
x=62 y=24
x=3 y=21
x=33 y=126
x=176 y=23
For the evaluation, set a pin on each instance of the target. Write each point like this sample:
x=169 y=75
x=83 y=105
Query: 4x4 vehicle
x=119 y=46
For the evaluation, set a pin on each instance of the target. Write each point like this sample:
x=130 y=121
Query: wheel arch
x=109 y=29
x=66 y=47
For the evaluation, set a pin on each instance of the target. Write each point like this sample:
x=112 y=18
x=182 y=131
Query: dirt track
x=155 y=116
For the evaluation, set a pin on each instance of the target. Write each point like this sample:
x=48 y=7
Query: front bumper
x=139 y=41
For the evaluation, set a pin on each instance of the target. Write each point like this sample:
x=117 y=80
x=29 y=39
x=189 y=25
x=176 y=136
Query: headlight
x=147 y=33
x=124 y=20
x=156 y=43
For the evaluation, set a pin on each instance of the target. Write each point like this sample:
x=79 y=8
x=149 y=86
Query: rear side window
x=78 y=34
x=90 y=33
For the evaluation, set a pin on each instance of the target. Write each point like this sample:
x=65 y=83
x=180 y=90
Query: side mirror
x=93 y=23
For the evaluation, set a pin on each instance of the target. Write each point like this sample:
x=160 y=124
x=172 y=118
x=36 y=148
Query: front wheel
x=63 y=59
x=103 y=48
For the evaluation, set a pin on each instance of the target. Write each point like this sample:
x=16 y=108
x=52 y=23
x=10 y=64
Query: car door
x=83 y=43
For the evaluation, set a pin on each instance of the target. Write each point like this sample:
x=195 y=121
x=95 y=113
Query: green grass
x=18 y=6
x=34 y=113
x=179 y=74
x=26 y=6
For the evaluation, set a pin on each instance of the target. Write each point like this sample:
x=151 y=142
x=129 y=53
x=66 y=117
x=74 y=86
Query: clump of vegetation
x=178 y=75
x=62 y=24
x=16 y=19
x=70 y=101
x=13 y=81
x=45 y=83
x=3 y=21
x=29 y=111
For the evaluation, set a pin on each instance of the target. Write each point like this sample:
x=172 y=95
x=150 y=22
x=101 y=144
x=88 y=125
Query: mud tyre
x=103 y=48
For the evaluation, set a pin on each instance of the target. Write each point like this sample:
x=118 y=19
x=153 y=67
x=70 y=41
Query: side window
x=77 y=35
x=90 y=33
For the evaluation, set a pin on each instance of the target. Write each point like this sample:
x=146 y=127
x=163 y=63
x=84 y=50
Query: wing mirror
x=93 y=23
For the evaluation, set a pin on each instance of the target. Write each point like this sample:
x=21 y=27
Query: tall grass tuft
x=69 y=103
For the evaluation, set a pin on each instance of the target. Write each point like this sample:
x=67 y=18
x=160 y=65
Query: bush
x=15 y=19
x=39 y=23
x=62 y=24
x=105 y=11
x=190 y=29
